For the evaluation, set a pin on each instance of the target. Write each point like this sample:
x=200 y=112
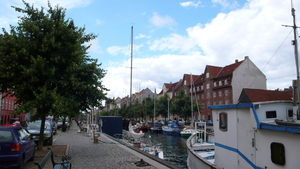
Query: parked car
x=13 y=122
x=54 y=127
x=181 y=122
x=60 y=123
x=16 y=147
x=34 y=129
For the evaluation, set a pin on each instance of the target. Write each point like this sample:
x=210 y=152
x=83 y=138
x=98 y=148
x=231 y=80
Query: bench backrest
x=44 y=161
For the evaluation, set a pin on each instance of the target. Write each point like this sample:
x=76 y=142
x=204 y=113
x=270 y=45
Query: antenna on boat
x=295 y=43
x=131 y=73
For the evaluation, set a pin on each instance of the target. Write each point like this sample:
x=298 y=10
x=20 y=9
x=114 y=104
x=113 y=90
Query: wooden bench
x=65 y=164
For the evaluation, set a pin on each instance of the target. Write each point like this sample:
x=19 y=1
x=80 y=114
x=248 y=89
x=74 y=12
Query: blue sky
x=176 y=37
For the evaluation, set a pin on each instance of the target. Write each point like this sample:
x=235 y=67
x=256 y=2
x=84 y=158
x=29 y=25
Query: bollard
x=96 y=135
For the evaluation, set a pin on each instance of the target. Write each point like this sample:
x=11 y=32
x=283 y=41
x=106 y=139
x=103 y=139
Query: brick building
x=218 y=85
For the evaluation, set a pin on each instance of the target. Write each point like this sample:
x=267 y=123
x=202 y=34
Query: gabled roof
x=227 y=70
x=213 y=70
x=173 y=87
x=199 y=79
x=260 y=95
x=189 y=78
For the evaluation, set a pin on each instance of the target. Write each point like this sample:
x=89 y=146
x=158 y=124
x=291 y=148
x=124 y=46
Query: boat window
x=223 y=121
x=277 y=153
x=290 y=113
x=271 y=114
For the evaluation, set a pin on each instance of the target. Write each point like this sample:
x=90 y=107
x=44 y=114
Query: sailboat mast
x=295 y=43
x=192 y=113
x=131 y=72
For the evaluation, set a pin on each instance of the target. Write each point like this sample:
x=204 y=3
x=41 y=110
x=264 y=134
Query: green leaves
x=44 y=64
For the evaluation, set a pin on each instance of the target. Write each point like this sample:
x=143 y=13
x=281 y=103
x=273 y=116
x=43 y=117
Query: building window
x=277 y=153
x=271 y=114
x=226 y=102
x=202 y=96
x=226 y=92
x=220 y=93
x=220 y=83
x=223 y=121
x=184 y=82
x=214 y=94
x=207 y=75
x=220 y=102
x=215 y=84
x=208 y=95
x=207 y=86
x=201 y=87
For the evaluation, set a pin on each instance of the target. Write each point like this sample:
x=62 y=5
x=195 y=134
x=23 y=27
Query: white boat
x=189 y=130
x=132 y=133
x=262 y=131
x=171 y=129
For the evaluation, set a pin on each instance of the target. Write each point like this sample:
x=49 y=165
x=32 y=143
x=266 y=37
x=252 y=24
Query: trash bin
x=63 y=128
x=96 y=135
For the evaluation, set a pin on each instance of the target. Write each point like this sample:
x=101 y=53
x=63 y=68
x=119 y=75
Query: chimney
x=236 y=61
x=246 y=57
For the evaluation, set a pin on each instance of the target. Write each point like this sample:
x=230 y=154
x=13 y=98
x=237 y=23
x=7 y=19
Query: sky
x=176 y=37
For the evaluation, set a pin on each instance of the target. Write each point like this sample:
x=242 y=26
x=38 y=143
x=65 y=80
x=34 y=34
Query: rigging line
x=267 y=63
x=272 y=56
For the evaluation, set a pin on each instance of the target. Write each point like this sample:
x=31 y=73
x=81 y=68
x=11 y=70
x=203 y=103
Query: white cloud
x=231 y=4
x=116 y=50
x=8 y=15
x=173 y=42
x=190 y=3
x=253 y=31
x=95 y=46
x=142 y=36
x=162 y=21
x=151 y=72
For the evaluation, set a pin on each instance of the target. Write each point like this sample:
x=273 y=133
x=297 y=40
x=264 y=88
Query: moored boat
x=156 y=128
x=171 y=129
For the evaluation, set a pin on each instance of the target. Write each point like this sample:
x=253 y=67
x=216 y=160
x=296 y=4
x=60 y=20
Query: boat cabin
x=261 y=131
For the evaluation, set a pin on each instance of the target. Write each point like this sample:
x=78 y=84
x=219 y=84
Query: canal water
x=173 y=147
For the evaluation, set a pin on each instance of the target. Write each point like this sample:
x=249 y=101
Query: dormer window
x=184 y=82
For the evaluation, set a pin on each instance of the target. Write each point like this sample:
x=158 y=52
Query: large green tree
x=181 y=104
x=163 y=104
x=44 y=64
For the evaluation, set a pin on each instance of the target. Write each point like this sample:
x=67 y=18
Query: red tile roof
x=227 y=70
x=259 y=95
x=213 y=70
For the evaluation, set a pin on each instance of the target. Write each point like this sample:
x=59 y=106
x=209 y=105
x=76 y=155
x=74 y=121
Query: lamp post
x=0 y=108
x=168 y=109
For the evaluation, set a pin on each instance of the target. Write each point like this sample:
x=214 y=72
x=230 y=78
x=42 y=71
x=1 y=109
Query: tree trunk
x=42 y=129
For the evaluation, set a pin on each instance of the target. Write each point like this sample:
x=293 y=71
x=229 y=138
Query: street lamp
x=1 y=108
x=168 y=109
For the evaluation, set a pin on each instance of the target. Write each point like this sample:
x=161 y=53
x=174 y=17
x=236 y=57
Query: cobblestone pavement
x=89 y=155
